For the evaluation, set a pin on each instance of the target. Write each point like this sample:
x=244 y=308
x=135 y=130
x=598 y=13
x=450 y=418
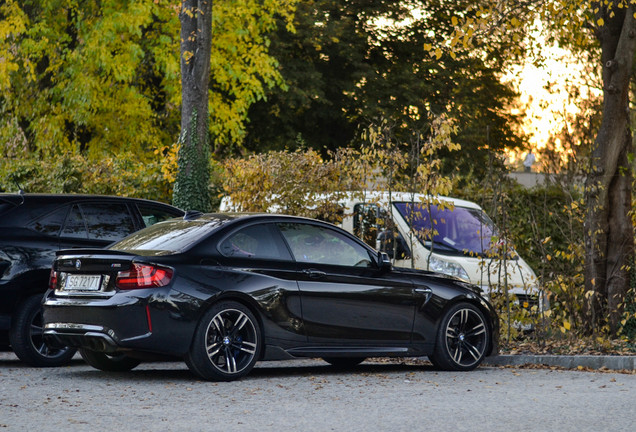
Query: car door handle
x=314 y=274
x=425 y=291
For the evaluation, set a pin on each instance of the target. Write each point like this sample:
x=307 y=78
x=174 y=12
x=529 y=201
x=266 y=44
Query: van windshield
x=457 y=231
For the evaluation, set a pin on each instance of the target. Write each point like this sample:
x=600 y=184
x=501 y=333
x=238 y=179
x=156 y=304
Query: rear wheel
x=462 y=339
x=344 y=362
x=109 y=362
x=26 y=337
x=226 y=344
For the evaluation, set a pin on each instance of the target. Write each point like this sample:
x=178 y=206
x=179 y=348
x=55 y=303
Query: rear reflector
x=53 y=280
x=143 y=276
x=148 y=318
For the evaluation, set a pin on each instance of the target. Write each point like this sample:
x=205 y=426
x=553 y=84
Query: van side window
x=374 y=226
x=365 y=224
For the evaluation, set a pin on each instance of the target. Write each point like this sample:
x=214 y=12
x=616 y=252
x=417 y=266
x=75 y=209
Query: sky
x=542 y=105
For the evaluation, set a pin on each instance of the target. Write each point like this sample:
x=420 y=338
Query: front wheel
x=462 y=339
x=26 y=337
x=109 y=362
x=226 y=344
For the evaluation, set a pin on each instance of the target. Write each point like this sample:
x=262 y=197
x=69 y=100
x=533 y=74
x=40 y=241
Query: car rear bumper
x=122 y=322
x=96 y=338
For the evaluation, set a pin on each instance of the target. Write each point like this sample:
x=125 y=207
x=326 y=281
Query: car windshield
x=167 y=237
x=458 y=230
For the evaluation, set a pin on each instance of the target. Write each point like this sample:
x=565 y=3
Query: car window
x=75 y=227
x=51 y=223
x=255 y=241
x=320 y=245
x=108 y=221
x=151 y=214
x=168 y=237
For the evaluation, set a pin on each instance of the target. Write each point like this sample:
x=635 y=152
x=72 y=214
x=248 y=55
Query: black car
x=222 y=291
x=32 y=228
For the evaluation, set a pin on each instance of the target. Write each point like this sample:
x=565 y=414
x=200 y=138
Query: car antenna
x=20 y=190
x=192 y=215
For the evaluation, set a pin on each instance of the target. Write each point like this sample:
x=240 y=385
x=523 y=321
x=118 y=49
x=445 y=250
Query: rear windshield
x=167 y=237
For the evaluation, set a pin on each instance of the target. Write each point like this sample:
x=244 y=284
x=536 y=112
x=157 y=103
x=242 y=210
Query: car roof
x=33 y=206
x=255 y=216
x=20 y=198
x=205 y=225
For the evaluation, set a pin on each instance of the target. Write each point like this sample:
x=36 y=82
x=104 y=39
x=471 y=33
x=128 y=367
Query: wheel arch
x=491 y=321
x=30 y=283
x=243 y=299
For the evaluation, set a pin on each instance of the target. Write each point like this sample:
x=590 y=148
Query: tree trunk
x=609 y=240
x=191 y=190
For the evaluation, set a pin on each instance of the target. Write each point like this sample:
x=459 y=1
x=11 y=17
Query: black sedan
x=222 y=291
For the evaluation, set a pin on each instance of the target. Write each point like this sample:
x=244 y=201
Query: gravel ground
x=308 y=395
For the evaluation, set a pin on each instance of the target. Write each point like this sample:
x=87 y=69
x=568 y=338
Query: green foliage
x=192 y=185
x=298 y=183
x=102 y=77
x=98 y=77
x=349 y=64
x=413 y=164
x=303 y=183
x=73 y=173
x=242 y=71
x=546 y=225
x=629 y=317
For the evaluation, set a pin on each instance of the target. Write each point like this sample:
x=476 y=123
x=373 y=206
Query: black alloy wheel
x=27 y=341
x=109 y=362
x=226 y=344
x=462 y=339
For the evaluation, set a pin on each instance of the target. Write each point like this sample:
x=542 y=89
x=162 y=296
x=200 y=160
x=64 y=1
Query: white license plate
x=83 y=283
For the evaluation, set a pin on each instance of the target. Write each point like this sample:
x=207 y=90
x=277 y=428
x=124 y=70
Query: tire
x=344 y=362
x=109 y=362
x=226 y=343
x=26 y=337
x=462 y=339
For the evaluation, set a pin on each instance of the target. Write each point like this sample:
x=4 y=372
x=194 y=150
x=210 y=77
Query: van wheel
x=27 y=341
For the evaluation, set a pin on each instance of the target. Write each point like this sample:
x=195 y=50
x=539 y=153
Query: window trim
x=371 y=256
x=279 y=239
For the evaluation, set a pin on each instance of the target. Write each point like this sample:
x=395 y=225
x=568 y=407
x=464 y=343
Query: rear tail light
x=53 y=280
x=143 y=276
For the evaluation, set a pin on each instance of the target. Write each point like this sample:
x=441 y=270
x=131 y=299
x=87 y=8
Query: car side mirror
x=385 y=261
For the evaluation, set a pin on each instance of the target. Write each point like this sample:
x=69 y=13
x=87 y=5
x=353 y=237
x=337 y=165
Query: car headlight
x=449 y=268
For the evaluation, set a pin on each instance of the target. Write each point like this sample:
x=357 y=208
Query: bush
x=122 y=175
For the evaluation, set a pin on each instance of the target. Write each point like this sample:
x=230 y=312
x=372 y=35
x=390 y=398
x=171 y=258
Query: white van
x=441 y=234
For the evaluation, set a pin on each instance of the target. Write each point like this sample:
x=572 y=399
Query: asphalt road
x=310 y=396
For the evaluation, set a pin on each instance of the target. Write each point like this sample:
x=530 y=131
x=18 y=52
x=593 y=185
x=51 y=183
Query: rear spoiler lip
x=93 y=251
